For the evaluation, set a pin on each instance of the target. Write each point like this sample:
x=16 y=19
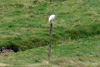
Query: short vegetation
x=24 y=25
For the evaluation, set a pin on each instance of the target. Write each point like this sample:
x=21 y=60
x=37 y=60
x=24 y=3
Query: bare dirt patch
x=3 y=64
x=6 y=51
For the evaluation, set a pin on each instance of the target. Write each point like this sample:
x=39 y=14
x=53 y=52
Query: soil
x=3 y=64
x=6 y=50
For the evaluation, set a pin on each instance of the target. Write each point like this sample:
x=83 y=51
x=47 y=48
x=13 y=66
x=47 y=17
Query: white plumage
x=52 y=17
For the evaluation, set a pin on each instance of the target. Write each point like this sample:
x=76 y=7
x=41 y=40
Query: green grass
x=24 y=24
x=76 y=28
x=82 y=52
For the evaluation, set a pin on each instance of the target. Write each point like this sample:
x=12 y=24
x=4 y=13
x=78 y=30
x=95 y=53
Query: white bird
x=52 y=17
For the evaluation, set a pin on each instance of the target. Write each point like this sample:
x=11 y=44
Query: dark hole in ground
x=11 y=48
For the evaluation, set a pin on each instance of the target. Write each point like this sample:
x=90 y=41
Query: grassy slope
x=73 y=53
x=23 y=23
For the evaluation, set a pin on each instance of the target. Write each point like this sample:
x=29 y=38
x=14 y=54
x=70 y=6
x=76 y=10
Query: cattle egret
x=52 y=17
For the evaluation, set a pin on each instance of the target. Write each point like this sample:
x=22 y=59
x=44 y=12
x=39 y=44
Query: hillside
x=24 y=23
x=24 y=28
x=73 y=53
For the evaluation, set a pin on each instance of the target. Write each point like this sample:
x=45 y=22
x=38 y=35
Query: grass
x=24 y=26
x=82 y=52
